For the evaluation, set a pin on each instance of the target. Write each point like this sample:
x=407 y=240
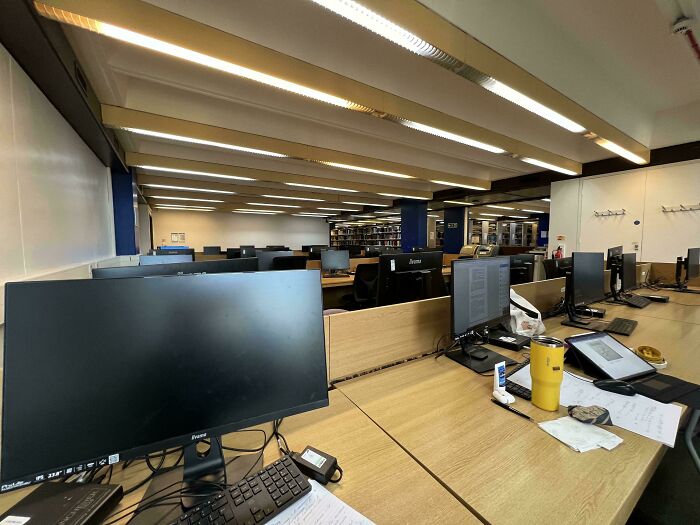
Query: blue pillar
x=414 y=224
x=543 y=229
x=125 y=205
x=455 y=225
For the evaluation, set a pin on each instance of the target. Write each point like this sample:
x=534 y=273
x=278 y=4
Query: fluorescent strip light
x=182 y=198
x=363 y=216
x=319 y=214
x=388 y=212
x=457 y=202
x=367 y=204
x=467 y=186
x=366 y=170
x=532 y=211
x=273 y=205
x=525 y=102
x=547 y=200
x=181 y=209
x=450 y=136
x=292 y=198
x=308 y=215
x=259 y=211
x=403 y=196
x=191 y=172
x=548 y=166
x=619 y=150
x=319 y=187
x=492 y=214
x=187 y=188
x=338 y=209
x=517 y=217
x=185 y=206
x=429 y=215
x=499 y=207
x=192 y=140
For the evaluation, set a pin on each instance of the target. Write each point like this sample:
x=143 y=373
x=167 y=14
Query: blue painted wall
x=454 y=237
x=414 y=224
x=543 y=226
x=124 y=203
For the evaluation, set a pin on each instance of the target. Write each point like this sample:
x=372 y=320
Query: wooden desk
x=380 y=480
x=682 y=307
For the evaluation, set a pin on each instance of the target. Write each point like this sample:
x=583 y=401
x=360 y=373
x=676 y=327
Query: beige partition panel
x=374 y=337
x=543 y=295
x=327 y=344
x=667 y=273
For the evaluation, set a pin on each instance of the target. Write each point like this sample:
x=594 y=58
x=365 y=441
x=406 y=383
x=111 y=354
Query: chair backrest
x=212 y=250
x=364 y=285
x=293 y=262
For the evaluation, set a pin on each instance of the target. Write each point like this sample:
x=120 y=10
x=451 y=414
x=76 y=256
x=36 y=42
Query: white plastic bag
x=520 y=322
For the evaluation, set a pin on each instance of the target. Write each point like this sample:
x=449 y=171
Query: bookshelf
x=389 y=235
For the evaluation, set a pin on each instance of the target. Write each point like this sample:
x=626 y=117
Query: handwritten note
x=638 y=414
x=320 y=506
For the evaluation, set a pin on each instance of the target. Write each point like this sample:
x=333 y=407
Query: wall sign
x=452 y=225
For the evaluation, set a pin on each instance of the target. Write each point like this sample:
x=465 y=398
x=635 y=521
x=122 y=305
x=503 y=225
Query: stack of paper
x=320 y=506
x=580 y=436
x=637 y=413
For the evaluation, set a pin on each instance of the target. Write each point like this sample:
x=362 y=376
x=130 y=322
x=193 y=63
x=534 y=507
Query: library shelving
x=385 y=235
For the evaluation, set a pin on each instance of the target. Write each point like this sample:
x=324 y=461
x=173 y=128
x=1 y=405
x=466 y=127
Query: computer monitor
x=277 y=247
x=354 y=250
x=248 y=251
x=211 y=250
x=587 y=277
x=335 y=260
x=522 y=268
x=233 y=253
x=614 y=257
x=691 y=264
x=115 y=369
x=405 y=277
x=310 y=248
x=629 y=272
x=165 y=259
x=293 y=262
x=174 y=250
x=555 y=268
x=182 y=268
x=692 y=270
x=265 y=258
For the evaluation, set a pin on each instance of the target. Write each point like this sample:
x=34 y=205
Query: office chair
x=212 y=250
x=550 y=268
x=293 y=262
x=364 y=286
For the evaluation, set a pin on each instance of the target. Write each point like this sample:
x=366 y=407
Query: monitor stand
x=198 y=468
x=477 y=357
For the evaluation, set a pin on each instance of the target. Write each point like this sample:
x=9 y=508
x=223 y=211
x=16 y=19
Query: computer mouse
x=616 y=386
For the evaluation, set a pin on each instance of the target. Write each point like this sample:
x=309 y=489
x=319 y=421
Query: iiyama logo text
x=195 y=437
x=414 y=261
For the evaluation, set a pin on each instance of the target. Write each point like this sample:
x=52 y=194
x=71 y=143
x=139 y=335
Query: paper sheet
x=580 y=436
x=638 y=414
x=320 y=506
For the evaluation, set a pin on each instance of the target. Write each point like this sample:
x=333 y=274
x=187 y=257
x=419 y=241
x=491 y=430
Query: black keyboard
x=255 y=499
x=621 y=326
x=635 y=300
x=515 y=388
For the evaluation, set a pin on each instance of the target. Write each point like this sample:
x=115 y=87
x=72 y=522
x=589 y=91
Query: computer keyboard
x=253 y=500
x=515 y=388
x=635 y=300
x=621 y=326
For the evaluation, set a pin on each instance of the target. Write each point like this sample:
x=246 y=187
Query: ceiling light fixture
x=492 y=214
x=366 y=204
x=293 y=198
x=366 y=170
x=429 y=215
x=319 y=187
x=387 y=212
x=467 y=186
x=363 y=216
x=403 y=196
x=547 y=200
x=450 y=136
x=187 y=188
x=517 y=217
x=180 y=209
x=191 y=172
x=339 y=209
x=273 y=205
x=192 y=140
x=182 y=198
x=260 y=211
x=547 y=165
x=499 y=207
x=532 y=211
x=619 y=150
x=457 y=202
x=309 y=215
x=185 y=206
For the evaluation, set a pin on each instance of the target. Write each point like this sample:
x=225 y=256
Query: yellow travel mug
x=546 y=371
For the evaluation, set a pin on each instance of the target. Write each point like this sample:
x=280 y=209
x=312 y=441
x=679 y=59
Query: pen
x=511 y=409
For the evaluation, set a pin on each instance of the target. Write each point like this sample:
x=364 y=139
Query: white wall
x=55 y=195
x=659 y=236
x=230 y=230
x=144 y=216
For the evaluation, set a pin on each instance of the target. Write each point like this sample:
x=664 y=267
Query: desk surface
x=380 y=480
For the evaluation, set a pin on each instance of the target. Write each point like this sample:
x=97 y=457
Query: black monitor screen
x=248 y=251
x=265 y=258
x=587 y=278
x=122 y=367
x=480 y=292
x=693 y=269
x=613 y=253
x=183 y=268
x=164 y=259
x=335 y=260
x=175 y=251
x=405 y=277
x=629 y=271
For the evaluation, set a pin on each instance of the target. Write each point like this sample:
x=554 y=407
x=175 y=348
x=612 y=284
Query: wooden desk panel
x=504 y=467
x=682 y=307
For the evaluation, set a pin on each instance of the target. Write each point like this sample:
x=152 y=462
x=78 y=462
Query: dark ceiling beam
x=42 y=50
x=659 y=156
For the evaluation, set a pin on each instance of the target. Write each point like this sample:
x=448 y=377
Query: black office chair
x=212 y=250
x=519 y=275
x=233 y=253
x=293 y=262
x=550 y=268
x=364 y=287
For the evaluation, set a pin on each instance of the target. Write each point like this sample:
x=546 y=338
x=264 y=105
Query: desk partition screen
x=115 y=368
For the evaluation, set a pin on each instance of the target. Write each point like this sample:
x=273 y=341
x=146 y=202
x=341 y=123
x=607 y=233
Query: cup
x=546 y=371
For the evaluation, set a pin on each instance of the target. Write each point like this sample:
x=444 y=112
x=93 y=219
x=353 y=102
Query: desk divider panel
x=367 y=339
x=316 y=265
